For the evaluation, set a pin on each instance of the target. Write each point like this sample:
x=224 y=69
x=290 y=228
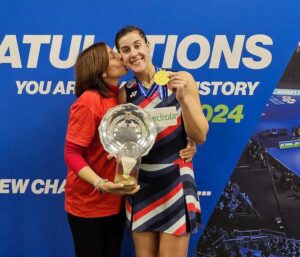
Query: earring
x=104 y=75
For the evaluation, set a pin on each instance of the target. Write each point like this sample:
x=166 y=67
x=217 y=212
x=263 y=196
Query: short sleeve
x=82 y=125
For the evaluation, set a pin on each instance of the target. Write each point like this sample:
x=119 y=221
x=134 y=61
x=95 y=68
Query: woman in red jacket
x=92 y=201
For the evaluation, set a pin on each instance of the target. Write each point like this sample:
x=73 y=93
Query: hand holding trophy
x=127 y=132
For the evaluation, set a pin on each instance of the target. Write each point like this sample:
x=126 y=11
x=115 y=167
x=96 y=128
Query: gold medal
x=161 y=77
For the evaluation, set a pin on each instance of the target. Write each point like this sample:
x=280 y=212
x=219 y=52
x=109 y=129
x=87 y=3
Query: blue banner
x=237 y=52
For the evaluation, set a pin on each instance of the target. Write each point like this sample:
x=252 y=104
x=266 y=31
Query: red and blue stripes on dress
x=168 y=200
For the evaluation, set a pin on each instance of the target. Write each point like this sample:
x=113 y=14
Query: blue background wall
x=32 y=218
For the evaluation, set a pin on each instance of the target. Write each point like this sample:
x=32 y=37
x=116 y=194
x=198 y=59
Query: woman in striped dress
x=166 y=209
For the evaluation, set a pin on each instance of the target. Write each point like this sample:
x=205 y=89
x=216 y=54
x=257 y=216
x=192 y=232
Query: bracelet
x=99 y=183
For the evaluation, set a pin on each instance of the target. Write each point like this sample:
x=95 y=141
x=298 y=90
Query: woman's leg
x=114 y=227
x=173 y=246
x=146 y=244
x=86 y=236
x=97 y=237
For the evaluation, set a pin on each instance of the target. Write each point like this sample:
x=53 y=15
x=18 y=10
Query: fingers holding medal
x=163 y=78
x=176 y=81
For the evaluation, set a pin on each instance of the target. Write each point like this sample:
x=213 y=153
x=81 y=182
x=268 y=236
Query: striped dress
x=167 y=201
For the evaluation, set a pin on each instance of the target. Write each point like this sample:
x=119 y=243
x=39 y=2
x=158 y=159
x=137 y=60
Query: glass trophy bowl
x=127 y=123
x=128 y=132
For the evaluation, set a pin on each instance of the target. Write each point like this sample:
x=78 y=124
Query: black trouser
x=97 y=237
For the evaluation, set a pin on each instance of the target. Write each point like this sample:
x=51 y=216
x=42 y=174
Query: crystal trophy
x=128 y=132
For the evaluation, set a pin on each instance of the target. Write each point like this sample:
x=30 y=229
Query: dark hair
x=89 y=68
x=125 y=30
